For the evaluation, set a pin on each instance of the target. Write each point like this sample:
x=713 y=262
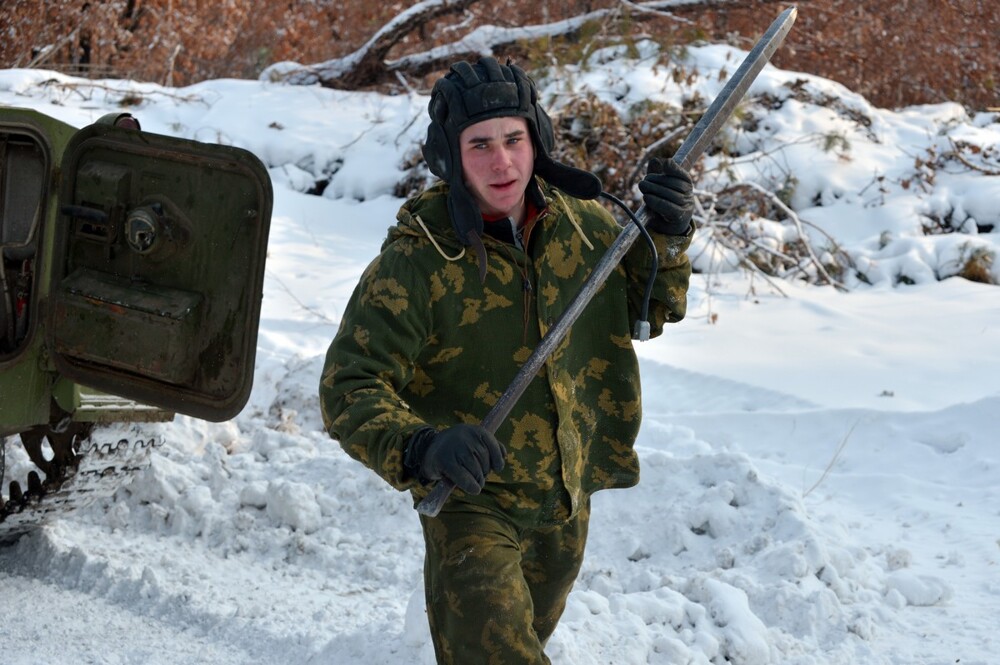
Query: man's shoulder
x=430 y=204
x=582 y=209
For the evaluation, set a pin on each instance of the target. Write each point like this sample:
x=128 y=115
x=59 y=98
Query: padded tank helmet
x=468 y=94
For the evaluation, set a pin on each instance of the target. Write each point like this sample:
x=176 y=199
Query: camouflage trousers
x=495 y=591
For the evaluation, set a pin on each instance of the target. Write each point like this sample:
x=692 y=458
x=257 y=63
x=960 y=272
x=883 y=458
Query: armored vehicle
x=131 y=272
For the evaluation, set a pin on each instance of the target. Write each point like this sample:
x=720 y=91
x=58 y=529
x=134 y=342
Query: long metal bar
x=694 y=145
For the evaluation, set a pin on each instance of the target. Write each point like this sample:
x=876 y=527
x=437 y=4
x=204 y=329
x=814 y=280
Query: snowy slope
x=820 y=469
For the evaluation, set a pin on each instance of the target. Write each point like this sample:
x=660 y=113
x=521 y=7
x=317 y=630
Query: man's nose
x=501 y=159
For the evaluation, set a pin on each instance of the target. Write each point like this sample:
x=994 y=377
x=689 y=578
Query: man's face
x=497 y=162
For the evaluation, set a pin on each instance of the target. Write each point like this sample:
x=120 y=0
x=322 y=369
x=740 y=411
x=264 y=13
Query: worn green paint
x=25 y=376
x=148 y=271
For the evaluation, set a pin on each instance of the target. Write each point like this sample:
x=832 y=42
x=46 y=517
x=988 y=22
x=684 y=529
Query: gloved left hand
x=667 y=193
x=464 y=454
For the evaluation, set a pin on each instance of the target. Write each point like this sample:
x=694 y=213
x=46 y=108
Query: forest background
x=894 y=52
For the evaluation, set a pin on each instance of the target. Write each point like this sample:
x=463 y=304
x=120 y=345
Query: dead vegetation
x=894 y=53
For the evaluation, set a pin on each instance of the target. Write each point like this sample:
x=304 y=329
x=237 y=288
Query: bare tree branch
x=369 y=60
x=956 y=152
x=487 y=39
x=368 y=65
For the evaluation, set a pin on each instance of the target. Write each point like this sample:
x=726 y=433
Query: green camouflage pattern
x=424 y=342
x=495 y=592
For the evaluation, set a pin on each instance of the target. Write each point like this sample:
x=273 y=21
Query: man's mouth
x=503 y=185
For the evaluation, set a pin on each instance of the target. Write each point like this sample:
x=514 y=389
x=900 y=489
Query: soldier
x=476 y=270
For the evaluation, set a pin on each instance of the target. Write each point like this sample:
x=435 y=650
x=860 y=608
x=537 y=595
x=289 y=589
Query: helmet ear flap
x=437 y=149
x=437 y=152
x=546 y=134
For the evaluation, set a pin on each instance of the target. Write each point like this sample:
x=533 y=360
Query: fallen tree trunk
x=369 y=65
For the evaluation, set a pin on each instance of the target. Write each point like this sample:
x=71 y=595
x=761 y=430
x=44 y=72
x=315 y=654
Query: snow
x=821 y=479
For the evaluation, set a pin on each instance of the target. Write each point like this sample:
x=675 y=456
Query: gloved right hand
x=464 y=454
x=667 y=191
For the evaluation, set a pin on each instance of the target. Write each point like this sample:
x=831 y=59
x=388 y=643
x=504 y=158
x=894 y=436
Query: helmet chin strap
x=576 y=182
x=477 y=245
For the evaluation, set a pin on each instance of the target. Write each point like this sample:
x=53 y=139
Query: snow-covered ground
x=821 y=472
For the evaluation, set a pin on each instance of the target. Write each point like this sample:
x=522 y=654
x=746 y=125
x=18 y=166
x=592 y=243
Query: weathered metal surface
x=132 y=263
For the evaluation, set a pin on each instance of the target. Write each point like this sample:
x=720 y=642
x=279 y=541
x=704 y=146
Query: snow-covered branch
x=369 y=65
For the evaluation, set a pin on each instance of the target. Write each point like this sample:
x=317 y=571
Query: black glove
x=666 y=191
x=464 y=454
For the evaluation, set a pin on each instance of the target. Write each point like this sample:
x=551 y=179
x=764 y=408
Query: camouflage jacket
x=424 y=342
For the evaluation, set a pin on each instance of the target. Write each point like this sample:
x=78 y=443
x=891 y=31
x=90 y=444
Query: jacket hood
x=428 y=209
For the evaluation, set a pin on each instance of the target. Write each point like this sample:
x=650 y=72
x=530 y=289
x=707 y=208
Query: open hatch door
x=162 y=243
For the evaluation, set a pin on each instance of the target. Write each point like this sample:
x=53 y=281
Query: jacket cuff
x=413 y=454
x=657 y=224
